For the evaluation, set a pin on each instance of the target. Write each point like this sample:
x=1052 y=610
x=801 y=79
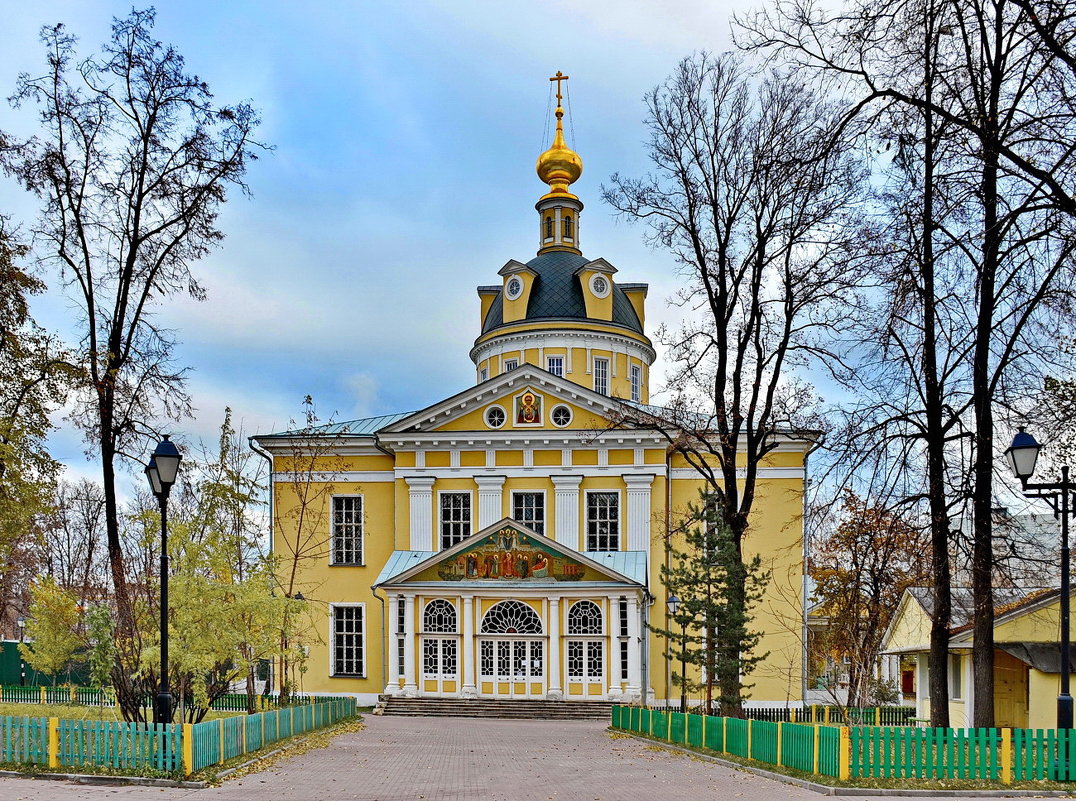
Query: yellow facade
x=507 y=541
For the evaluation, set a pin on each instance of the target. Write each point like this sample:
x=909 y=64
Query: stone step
x=521 y=709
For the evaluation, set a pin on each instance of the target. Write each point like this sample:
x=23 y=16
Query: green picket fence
x=216 y=741
x=860 y=716
x=870 y=752
x=96 y=696
x=169 y=748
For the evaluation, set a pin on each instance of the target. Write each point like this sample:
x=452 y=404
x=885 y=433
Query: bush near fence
x=868 y=752
x=171 y=748
x=105 y=697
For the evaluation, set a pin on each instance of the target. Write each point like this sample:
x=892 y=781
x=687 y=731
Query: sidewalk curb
x=825 y=789
x=103 y=778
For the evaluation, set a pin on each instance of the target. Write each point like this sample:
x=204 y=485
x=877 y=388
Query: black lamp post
x=674 y=605
x=1021 y=456
x=21 y=623
x=161 y=472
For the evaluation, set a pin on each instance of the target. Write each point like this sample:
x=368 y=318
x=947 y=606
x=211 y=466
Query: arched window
x=439 y=616
x=584 y=617
x=548 y=227
x=511 y=617
x=568 y=228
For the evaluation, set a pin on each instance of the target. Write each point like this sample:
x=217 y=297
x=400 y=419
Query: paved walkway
x=438 y=759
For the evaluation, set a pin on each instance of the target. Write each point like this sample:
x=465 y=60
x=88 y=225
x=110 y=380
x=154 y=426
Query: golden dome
x=560 y=165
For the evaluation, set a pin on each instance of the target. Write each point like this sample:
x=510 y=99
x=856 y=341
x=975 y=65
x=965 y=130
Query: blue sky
x=405 y=137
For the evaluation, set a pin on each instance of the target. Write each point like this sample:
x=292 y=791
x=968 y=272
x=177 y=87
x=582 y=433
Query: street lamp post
x=161 y=472
x=21 y=623
x=1021 y=456
x=674 y=605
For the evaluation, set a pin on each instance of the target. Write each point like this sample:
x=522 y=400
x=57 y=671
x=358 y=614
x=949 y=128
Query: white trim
x=420 y=512
x=362 y=529
x=638 y=533
x=571 y=415
x=559 y=338
x=490 y=499
x=507 y=287
x=332 y=642
x=343 y=476
x=608 y=285
x=681 y=473
x=542 y=471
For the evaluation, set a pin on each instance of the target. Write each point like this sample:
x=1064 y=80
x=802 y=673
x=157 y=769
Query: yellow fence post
x=817 y=737
x=877 y=716
x=72 y=688
x=825 y=715
x=220 y=730
x=780 y=732
x=54 y=742
x=188 y=749
x=1006 y=756
x=43 y=699
x=844 y=755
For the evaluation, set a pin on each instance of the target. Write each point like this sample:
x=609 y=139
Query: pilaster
x=566 y=491
x=420 y=501
x=489 y=499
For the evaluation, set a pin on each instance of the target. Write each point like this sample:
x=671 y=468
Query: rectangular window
x=483 y=374
x=555 y=365
x=623 y=660
x=347 y=530
x=601 y=376
x=510 y=364
x=603 y=521
x=455 y=518
x=529 y=509
x=623 y=608
x=347 y=641
x=955 y=677
x=636 y=383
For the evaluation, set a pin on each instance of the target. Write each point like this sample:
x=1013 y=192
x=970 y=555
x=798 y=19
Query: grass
x=829 y=781
x=79 y=712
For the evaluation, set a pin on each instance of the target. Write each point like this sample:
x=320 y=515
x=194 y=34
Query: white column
x=634 y=691
x=489 y=499
x=554 y=692
x=410 y=688
x=391 y=638
x=469 y=689
x=615 y=691
x=639 y=512
x=922 y=686
x=420 y=490
x=566 y=489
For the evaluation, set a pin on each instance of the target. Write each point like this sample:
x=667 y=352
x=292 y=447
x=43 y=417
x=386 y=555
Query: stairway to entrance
x=494 y=708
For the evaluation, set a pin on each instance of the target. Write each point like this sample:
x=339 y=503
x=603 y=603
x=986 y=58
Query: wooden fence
x=171 y=748
x=96 y=696
x=869 y=752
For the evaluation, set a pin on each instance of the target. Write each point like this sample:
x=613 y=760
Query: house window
x=401 y=628
x=548 y=227
x=347 y=641
x=529 y=509
x=584 y=617
x=439 y=617
x=510 y=364
x=601 y=376
x=636 y=383
x=568 y=233
x=555 y=365
x=347 y=530
x=622 y=605
x=455 y=518
x=603 y=521
x=623 y=660
x=483 y=374
x=956 y=679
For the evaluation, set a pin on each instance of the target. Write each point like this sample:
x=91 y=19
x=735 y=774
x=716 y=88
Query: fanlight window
x=584 y=617
x=439 y=616
x=511 y=617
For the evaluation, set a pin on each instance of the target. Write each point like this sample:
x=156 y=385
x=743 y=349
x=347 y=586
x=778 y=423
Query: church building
x=505 y=542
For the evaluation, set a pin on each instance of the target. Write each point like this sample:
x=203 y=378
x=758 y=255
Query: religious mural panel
x=509 y=555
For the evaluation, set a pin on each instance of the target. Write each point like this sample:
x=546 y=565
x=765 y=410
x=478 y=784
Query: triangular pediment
x=510 y=553
x=527 y=397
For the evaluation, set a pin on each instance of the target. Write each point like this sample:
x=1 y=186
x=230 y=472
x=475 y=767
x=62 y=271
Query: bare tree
x=759 y=211
x=133 y=163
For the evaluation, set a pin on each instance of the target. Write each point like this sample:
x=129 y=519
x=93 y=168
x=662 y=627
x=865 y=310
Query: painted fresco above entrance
x=509 y=554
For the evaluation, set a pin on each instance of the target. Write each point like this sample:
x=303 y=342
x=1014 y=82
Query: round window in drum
x=561 y=416
x=495 y=417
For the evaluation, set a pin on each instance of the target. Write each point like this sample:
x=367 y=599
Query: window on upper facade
x=455 y=518
x=584 y=617
x=636 y=383
x=555 y=365
x=529 y=509
x=483 y=374
x=622 y=607
x=548 y=227
x=601 y=376
x=603 y=521
x=439 y=617
x=347 y=530
x=568 y=232
x=510 y=364
x=347 y=641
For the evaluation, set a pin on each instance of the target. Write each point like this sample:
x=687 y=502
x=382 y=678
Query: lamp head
x=167 y=457
x=673 y=603
x=1022 y=455
x=21 y=622
x=153 y=476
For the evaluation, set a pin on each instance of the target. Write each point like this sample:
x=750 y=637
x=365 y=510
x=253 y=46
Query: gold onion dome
x=560 y=165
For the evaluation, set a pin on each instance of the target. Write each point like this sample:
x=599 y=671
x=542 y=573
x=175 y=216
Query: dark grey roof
x=963 y=603
x=557 y=295
x=1043 y=656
